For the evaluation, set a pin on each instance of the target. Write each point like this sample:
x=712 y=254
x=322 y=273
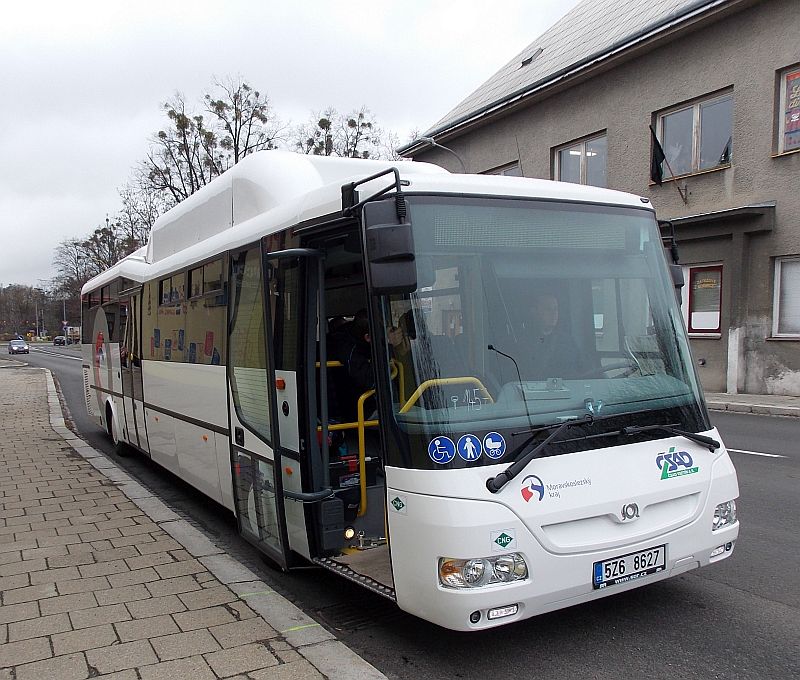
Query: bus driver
x=553 y=351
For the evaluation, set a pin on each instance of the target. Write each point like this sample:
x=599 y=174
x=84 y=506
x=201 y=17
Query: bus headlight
x=482 y=571
x=724 y=515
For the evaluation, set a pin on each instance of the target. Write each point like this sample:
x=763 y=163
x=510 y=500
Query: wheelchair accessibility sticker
x=441 y=450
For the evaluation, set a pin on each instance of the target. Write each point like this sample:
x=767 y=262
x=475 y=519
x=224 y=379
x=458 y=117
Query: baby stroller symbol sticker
x=494 y=445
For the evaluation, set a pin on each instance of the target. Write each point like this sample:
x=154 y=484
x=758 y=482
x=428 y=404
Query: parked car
x=18 y=347
x=59 y=340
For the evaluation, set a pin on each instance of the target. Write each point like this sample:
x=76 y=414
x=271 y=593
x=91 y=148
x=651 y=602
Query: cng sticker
x=399 y=504
x=503 y=540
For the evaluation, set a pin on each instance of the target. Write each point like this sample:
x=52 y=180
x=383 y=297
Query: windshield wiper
x=494 y=484
x=712 y=444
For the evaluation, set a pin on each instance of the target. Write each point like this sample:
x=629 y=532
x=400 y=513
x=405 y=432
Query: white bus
x=534 y=436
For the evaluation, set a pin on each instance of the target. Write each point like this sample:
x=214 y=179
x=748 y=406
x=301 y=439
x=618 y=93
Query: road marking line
x=55 y=354
x=757 y=453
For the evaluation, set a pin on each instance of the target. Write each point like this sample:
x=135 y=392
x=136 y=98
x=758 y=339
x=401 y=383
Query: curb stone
x=312 y=641
x=755 y=409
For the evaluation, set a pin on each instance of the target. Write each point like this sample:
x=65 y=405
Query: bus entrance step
x=350 y=574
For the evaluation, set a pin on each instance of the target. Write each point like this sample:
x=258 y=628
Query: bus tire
x=120 y=447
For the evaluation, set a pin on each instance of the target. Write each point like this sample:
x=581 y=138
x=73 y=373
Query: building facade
x=719 y=84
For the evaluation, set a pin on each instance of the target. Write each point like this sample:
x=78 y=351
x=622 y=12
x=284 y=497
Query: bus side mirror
x=677 y=279
x=677 y=275
x=390 y=254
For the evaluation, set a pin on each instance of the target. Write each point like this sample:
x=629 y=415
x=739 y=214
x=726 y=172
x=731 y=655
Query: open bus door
x=281 y=491
x=315 y=517
x=131 y=372
x=255 y=455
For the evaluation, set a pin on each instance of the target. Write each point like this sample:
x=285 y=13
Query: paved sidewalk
x=761 y=404
x=98 y=578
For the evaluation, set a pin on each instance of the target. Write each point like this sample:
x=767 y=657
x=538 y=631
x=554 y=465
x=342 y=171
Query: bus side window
x=248 y=357
x=171 y=317
x=89 y=307
x=205 y=315
x=151 y=338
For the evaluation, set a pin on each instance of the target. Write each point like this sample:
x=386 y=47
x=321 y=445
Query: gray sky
x=83 y=82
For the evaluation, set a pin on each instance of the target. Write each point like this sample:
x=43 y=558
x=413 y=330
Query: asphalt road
x=737 y=619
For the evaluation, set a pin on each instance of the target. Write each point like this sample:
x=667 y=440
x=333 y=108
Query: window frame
x=200 y=268
x=162 y=302
x=582 y=142
x=686 y=295
x=696 y=107
x=776 y=297
x=783 y=77
x=513 y=169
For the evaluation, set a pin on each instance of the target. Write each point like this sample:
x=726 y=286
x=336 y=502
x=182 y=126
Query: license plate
x=629 y=567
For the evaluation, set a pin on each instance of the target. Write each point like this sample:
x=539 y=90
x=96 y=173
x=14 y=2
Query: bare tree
x=358 y=135
x=244 y=117
x=193 y=149
x=104 y=247
x=388 y=145
x=184 y=156
x=140 y=210
x=316 y=135
x=354 y=135
x=73 y=268
x=21 y=309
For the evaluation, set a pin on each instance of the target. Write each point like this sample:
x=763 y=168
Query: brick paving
x=91 y=586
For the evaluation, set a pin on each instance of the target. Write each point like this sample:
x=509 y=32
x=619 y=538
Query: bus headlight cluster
x=724 y=515
x=482 y=571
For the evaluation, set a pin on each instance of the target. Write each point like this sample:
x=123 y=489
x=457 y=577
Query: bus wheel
x=120 y=447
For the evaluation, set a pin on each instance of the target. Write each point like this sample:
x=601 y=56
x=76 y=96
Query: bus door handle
x=238 y=436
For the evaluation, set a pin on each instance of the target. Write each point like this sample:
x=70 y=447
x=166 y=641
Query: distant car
x=18 y=347
x=59 y=340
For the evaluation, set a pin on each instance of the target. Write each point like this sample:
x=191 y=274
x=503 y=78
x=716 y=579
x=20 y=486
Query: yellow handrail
x=362 y=453
x=414 y=398
x=361 y=425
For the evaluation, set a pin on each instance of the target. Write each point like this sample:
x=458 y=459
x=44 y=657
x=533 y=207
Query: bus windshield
x=528 y=313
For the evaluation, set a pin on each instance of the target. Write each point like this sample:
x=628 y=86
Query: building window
x=697 y=137
x=510 y=170
x=583 y=162
x=789 y=122
x=702 y=299
x=786 y=302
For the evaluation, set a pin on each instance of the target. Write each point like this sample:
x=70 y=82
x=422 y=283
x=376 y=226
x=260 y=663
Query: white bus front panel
x=564 y=515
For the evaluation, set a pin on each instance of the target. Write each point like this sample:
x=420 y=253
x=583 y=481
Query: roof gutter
x=695 y=9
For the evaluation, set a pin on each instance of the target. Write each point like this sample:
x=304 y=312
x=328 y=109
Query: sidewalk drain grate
x=357 y=615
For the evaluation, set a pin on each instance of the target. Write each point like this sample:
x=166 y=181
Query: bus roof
x=270 y=191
